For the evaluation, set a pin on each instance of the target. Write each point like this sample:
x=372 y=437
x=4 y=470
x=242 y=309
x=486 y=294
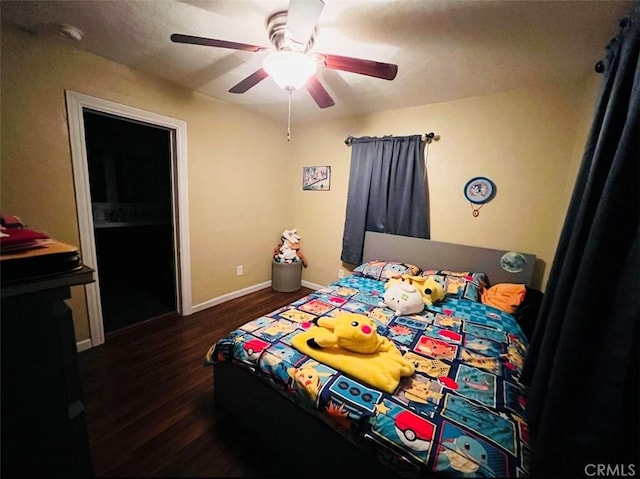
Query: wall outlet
x=239 y=270
x=340 y=273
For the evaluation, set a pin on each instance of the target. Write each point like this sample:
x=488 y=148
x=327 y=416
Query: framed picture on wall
x=316 y=178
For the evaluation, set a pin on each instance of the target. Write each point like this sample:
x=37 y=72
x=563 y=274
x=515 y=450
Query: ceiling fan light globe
x=290 y=70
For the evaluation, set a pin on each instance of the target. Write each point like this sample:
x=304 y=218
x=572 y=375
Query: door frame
x=76 y=104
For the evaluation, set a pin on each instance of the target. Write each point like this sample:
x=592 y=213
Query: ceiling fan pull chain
x=289 y=119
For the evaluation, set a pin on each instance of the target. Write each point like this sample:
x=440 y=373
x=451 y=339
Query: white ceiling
x=444 y=49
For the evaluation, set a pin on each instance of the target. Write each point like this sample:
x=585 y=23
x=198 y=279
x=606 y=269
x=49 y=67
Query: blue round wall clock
x=478 y=191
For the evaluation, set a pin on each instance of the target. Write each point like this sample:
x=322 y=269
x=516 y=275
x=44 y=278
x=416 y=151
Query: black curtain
x=582 y=365
x=387 y=191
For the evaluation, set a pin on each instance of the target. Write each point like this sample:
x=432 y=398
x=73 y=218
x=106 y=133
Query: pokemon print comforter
x=461 y=414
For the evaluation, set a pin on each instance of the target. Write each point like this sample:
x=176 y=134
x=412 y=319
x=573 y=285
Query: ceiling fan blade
x=302 y=18
x=249 y=82
x=318 y=93
x=212 y=42
x=386 y=71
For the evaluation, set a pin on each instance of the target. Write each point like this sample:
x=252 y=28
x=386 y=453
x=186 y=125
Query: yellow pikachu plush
x=350 y=343
x=350 y=331
x=431 y=290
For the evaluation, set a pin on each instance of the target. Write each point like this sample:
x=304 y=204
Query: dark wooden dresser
x=43 y=422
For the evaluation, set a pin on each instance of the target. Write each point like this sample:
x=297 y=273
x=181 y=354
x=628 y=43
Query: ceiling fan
x=290 y=62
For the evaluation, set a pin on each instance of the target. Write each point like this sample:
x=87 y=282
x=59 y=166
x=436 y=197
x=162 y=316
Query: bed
x=460 y=413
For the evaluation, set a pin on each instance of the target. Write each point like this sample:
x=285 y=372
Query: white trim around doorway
x=76 y=103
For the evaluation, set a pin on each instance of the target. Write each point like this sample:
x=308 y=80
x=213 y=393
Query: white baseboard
x=243 y=292
x=83 y=345
x=226 y=297
x=310 y=285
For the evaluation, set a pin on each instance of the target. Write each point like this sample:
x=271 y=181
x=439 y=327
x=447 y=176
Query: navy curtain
x=582 y=365
x=387 y=192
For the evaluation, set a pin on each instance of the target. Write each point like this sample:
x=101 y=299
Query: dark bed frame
x=297 y=444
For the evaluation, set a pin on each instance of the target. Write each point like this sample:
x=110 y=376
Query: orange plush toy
x=504 y=296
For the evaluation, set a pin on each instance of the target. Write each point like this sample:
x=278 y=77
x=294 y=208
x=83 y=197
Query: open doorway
x=129 y=166
x=77 y=105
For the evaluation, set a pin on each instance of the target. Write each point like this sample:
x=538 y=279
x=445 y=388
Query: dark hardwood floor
x=149 y=399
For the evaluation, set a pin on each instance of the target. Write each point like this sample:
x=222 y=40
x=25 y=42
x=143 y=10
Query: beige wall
x=245 y=180
x=235 y=161
x=528 y=141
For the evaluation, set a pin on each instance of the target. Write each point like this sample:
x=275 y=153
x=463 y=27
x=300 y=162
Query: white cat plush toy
x=403 y=298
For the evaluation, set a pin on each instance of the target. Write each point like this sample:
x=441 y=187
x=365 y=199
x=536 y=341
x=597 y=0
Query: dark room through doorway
x=130 y=180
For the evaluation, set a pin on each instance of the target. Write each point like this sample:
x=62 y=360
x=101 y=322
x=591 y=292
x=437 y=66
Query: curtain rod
x=427 y=137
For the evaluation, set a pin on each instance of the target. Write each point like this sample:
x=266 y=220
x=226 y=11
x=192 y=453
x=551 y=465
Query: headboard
x=500 y=266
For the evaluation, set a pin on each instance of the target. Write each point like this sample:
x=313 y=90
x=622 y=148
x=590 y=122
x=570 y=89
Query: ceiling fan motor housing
x=281 y=38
